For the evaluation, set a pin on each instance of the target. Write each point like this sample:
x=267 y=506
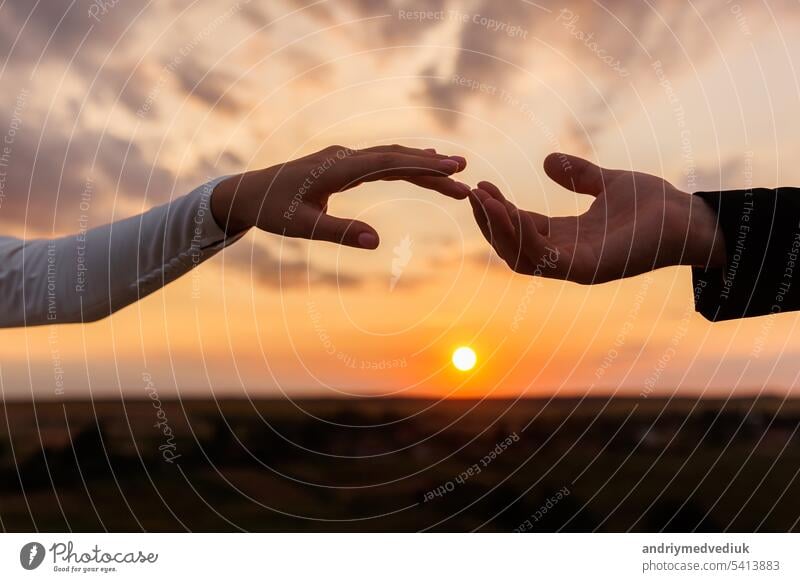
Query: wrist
x=226 y=206
x=705 y=242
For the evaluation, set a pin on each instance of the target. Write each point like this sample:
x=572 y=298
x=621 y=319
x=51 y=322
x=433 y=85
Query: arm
x=85 y=278
x=81 y=279
x=762 y=232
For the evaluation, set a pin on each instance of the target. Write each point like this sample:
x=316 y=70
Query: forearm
x=87 y=277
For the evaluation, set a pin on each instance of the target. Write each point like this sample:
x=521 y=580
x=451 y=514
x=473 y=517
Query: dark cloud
x=492 y=42
x=50 y=167
x=53 y=30
x=387 y=27
x=55 y=162
x=607 y=46
x=214 y=88
x=267 y=268
x=51 y=170
x=255 y=15
x=481 y=53
x=127 y=84
x=54 y=156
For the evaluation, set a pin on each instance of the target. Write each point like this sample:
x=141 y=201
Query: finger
x=478 y=199
x=343 y=231
x=401 y=149
x=481 y=217
x=446 y=186
x=379 y=166
x=542 y=221
x=495 y=193
x=535 y=247
x=503 y=234
x=577 y=174
x=501 y=230
x=428 y=152
x=501 y=222
x=492 y=190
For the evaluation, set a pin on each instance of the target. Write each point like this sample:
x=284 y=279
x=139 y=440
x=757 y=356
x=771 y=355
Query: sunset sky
x=129 y=104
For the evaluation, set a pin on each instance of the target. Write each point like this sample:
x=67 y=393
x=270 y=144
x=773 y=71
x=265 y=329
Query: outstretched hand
x=291 y=199
x=637 y=223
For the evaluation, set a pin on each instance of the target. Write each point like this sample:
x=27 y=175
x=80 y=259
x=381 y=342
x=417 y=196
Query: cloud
x=60 y=146
x=255 y=15
x=266 y=268
x=388 y=27
x=213 y=88
x=608 y=46
x=71 y=135
x=52 y=50
x=728 y=175
x=59 y=30
x=51 y=169
x=491 y=40
x=123 y=82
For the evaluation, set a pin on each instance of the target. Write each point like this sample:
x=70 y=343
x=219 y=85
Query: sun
x=464 y=358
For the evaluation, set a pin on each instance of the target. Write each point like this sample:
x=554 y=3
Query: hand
x=637 y=223
x=292 y=199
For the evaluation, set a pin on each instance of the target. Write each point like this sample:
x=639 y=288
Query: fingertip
x=492 y=190
x=368 y=240
x=555 y=165
x=452 y=188
x=462 y=191
x=449 y=166
x=553 y=157
x=461 y=161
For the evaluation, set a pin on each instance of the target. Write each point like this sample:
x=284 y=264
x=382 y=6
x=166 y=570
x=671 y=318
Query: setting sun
x=464 y=358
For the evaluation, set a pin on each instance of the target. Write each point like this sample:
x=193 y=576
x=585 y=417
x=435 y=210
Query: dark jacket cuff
x=762 y=240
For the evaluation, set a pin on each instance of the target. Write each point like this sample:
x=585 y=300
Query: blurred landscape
x=401 y=465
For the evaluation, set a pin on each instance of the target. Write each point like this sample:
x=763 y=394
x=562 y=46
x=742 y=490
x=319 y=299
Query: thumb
x=577 y=174
x=343 y=231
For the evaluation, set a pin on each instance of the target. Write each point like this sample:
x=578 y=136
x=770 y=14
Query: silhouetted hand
x=637 y=223
x=292 y=199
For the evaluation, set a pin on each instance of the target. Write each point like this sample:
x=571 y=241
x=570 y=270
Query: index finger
x=428 y=153
x=446 y=186
x=378 y=166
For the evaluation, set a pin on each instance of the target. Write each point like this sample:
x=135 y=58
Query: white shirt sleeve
x=90 y=276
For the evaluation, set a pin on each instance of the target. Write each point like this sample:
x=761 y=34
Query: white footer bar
x=401 y=557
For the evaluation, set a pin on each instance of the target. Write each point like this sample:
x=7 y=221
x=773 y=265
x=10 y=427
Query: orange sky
x=145 y=103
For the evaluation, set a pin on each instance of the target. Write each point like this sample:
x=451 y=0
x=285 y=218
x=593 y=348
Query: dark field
x=401 y=465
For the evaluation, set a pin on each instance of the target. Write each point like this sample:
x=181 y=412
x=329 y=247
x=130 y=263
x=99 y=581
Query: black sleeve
x=762 y=238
